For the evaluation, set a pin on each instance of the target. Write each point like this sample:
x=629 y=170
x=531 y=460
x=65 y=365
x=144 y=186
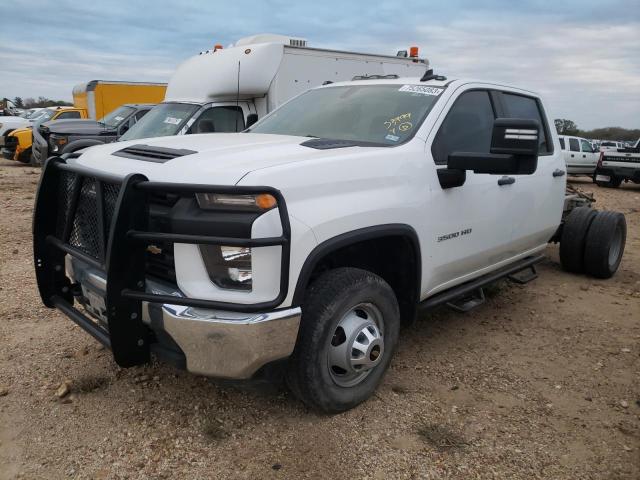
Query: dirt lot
x=540 y=382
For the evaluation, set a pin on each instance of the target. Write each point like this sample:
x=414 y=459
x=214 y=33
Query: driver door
x=467 y=228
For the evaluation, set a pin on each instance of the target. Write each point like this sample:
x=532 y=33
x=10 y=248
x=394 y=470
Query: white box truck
x=228 y=89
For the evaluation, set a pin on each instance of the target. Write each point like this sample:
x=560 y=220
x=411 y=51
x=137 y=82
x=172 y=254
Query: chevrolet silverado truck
x=302 y=244
x=618 y=165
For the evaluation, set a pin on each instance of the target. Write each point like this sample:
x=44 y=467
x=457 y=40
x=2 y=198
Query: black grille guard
x=122 y=257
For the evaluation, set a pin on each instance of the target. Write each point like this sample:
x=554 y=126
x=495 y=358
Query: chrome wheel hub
x=357 y=345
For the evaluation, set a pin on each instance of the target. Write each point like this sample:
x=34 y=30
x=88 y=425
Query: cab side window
x=467 y=127
x=586 y=146
x=68 y=115
x=219 y=119
x=574 y=146
x=562 y=144
x=519 y=106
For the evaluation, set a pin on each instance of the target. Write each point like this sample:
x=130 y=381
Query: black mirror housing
x=251 y=119
x=515 y=136
x=514 y=150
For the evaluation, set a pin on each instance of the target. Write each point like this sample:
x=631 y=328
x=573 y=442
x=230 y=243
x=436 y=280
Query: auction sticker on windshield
x=173 y=120
x=421 y=89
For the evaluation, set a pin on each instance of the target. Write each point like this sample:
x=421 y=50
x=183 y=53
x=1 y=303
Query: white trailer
x=227 y=89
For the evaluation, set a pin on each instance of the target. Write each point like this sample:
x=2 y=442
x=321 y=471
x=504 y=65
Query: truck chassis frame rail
x=115 y=242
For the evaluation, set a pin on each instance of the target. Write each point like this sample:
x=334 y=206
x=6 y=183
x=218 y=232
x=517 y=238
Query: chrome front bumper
x=227 y=345
x=215 y=343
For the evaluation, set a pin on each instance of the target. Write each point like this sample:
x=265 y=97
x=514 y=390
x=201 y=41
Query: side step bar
x=469 y=288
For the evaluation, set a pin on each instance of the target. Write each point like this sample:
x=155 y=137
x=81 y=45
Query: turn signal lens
x=265 y=201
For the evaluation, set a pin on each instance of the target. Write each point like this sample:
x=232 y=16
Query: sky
x=582 y=56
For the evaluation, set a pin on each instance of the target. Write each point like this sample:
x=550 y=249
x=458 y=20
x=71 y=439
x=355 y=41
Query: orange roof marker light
x=413 y=52
x=217 y=47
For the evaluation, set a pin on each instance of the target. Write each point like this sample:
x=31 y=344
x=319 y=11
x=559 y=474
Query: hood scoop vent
x=148 y=153
x=330 y=143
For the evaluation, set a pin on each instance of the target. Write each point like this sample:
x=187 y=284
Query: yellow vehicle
x=92 y=100
x=17 y=145
x=100 y=97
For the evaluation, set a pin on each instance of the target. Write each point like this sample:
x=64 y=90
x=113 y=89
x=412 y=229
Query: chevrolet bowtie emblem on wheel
x=154 y=250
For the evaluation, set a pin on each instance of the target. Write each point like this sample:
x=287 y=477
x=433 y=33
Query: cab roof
x=441 y=82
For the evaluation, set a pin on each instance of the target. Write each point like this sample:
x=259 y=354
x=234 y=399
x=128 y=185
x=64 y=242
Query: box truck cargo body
x=100 y=97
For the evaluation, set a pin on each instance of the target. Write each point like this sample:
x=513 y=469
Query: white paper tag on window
x=118 y=118
x=421 y=89
x=173 y=120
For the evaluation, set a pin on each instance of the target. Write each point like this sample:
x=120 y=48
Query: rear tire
x=348 y=334
x=572 y=240
x=604 y=244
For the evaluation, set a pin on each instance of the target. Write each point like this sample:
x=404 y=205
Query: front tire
x=348 y=334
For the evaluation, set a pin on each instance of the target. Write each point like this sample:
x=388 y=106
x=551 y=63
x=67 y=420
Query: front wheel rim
x=356 y=346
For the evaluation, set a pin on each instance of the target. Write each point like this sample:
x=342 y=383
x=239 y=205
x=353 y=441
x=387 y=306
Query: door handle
x=506 y=181
x=572 y=155
x=584 y=156
x=558 y=173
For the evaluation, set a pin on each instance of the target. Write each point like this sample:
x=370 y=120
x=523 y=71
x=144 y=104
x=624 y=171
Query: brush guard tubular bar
x=123 y=258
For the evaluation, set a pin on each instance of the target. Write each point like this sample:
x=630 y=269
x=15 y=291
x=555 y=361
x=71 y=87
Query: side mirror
x=514 y=150
x=251 y=119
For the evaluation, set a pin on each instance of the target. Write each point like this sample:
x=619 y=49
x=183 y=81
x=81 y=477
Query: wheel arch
x=369 y=237
x=81 y=143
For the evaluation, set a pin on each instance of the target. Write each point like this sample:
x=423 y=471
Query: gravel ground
x=540 y=382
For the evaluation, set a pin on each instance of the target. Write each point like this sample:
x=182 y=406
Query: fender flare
x=81 y=143
x=345 y=239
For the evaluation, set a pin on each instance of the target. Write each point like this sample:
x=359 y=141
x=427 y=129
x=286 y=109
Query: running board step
x=524 y=276
x=465 y=289
x=468 y=302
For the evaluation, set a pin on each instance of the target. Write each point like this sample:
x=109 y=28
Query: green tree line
x=569 y=127
x=40 y=102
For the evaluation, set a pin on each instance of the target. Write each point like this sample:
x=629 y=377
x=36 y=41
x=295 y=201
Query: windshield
x=42 y=115
x=379 y=114
x=116 y=117
x=162 y=120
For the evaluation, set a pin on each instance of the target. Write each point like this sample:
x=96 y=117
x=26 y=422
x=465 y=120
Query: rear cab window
x=562 y=144
x=522 y=106
x=574 y=145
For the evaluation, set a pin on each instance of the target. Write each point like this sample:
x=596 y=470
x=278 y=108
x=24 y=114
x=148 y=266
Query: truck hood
x=219 y=158
x=80 y=127
x=7 y=120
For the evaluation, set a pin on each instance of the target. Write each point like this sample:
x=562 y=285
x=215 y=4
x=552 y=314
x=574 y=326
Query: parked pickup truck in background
x=17 y=143
x=63 y=137
x=301 y=244
x=225 y=90
x=616 y=166
x=607 y=145
x=579 y=155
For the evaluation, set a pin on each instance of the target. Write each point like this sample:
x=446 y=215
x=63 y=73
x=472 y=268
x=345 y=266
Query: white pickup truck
x=618 y=165
x=579 y=155
x=301 y=244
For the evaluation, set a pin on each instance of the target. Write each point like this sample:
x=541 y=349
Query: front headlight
x=216 y=201
x=228 y=267
x=57 y=142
